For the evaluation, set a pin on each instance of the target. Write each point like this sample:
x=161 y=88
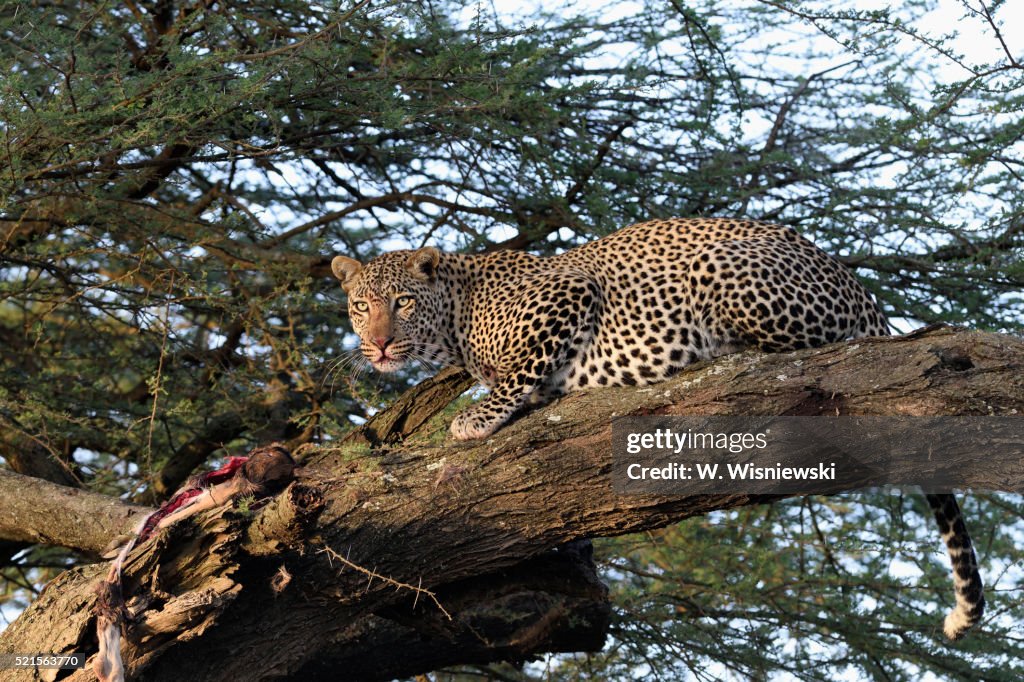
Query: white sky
x=975 y=39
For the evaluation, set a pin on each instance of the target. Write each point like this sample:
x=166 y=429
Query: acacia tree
x=176 y=176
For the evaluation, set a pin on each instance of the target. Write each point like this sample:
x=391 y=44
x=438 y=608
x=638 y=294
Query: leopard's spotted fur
x=629 y=309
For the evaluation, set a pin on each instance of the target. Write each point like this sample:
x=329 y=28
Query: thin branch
x=333 y=556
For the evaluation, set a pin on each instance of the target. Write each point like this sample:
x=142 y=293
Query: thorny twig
x=332 y=555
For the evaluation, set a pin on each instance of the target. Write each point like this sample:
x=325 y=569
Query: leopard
x=629 y=309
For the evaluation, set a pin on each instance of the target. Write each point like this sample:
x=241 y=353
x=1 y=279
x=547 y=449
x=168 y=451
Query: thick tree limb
x=37 y=511
x=553 y=602
x=410 y=521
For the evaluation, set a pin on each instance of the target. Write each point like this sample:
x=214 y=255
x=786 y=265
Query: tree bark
x=400 y=544
x=36 y=511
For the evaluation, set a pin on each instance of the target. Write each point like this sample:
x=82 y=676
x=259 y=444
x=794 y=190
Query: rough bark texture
x=37 y=511
x=413 y=409
x=380 y=547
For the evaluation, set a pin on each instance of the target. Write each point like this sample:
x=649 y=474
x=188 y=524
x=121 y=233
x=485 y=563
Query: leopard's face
x=394 y=302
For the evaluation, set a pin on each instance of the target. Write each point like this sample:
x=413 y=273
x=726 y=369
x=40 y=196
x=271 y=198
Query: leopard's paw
x=471 y=425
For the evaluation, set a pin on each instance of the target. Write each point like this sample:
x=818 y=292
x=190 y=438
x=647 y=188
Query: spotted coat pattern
x=629 y=309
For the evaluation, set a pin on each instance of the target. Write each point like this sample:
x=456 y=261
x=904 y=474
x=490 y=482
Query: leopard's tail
x=970 y=602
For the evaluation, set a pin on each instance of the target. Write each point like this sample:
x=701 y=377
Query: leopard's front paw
x=470 y=425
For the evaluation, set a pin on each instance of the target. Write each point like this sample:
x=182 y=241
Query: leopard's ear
x=346 y=269
x=423 y=263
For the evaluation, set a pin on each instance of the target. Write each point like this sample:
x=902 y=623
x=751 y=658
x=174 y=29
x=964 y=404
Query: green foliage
x=835 y=588
x=850 y=587
x=243 y=504
x=175 y=177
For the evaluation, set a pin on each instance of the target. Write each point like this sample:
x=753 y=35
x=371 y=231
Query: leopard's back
x=677 y=291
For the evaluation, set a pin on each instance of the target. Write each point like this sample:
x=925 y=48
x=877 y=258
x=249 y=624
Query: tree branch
x=436 y=516
x=37 y=511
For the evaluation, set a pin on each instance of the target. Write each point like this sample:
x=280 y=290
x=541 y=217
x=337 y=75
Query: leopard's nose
x=382 y=342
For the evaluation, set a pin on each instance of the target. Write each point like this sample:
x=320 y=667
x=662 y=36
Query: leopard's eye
x=404 y=301
x=360 y=306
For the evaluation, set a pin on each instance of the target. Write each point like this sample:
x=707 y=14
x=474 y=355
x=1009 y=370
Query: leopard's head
x=395 y=302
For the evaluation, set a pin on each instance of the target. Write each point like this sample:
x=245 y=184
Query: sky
x=975 y=39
